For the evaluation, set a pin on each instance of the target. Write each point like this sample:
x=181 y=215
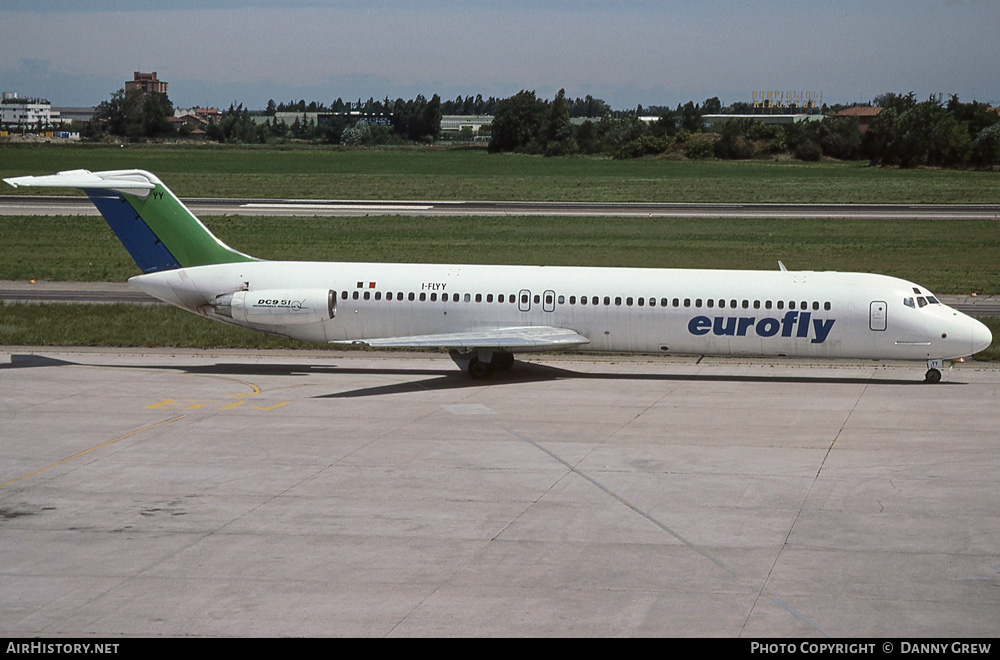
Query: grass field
x=945 y=256
x=473 y=174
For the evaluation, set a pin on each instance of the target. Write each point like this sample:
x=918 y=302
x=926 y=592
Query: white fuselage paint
x=845 y=330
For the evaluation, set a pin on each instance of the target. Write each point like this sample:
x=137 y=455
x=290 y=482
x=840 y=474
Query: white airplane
x=485 y=314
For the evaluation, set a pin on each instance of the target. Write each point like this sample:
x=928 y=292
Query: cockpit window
x=932 y=300
x=921 y=301
x=909 y=302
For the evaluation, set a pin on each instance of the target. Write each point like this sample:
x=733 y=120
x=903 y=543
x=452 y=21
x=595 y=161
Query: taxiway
x=193 y=493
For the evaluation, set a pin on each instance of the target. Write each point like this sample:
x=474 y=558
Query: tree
x=558 y=132
x=690 y=115
x=430 y=119
x=237 y=126
x=517 y=123
x=986 y=146
x=712 y=106
x=134 y=115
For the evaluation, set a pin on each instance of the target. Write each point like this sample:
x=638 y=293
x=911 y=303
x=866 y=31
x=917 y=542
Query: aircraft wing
x=518 y=339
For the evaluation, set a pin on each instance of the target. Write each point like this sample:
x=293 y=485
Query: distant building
x=18 y=113
x=326 y=118
x=865 y=114
x=204 y=116
x=711 y=120
x=147 y=82
x=68 y=115
x=453 y=124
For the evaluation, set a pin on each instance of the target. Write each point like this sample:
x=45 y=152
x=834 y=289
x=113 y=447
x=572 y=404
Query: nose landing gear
x=933 y=374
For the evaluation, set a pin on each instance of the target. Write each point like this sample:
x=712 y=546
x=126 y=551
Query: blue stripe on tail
x=149 y=254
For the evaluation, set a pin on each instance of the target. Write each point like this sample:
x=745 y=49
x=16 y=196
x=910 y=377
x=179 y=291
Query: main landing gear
x=933 y=374
x=481 y=364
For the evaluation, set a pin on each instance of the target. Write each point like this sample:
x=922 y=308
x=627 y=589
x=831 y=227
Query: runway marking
x=87 y=451
x=174 y=404
x=340 y=207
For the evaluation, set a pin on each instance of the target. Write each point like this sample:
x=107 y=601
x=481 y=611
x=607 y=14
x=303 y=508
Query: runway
x=306 y=493
x=55 y=205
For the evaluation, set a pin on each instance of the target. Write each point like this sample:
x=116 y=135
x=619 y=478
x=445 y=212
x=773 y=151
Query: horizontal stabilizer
x=129 y=182
x=527 y=338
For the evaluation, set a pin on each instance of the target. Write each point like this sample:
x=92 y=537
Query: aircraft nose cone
x=981 y=336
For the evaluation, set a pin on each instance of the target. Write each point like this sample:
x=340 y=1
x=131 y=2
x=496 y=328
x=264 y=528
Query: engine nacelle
x=278 y=306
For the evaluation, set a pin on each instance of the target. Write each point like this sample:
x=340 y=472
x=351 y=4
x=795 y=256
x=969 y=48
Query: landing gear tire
x=932 y=376
x=502 y=361
x=480 y=370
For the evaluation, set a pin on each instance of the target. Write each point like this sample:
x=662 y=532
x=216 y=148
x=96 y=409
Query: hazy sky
x=214 y=52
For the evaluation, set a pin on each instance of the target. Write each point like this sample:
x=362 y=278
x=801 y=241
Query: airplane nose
x=981 y=336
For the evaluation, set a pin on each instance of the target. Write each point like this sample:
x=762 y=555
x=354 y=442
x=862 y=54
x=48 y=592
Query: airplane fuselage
x=708 y=312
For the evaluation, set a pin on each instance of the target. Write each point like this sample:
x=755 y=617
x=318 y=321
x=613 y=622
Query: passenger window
x=618 y=300
x=767 y=304
x=663 y=302
x=629 y=301
x=732 y=303
x=756 y=304
x=746 y=304
x=479 y=297
x=697 y=302
x=687 y=302
x=343 y=296
x=468 y=297
x=524 y=299
x=710 y=303
x=640 y=302
x=434 y=297
x=781 y=304
x=826 y=306
x=677 y=302
x=423 y=297
x=410 y=297
x=607 y=300
x=355 y=295
x=489 y=297
x=378 y=295
x=815 y=306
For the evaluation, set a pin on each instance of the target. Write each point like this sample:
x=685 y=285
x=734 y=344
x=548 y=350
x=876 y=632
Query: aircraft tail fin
x=159 y=232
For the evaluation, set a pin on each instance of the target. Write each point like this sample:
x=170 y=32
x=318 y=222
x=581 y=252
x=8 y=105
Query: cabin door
x=549 y=301
x=877 y=316
x=524 y=300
